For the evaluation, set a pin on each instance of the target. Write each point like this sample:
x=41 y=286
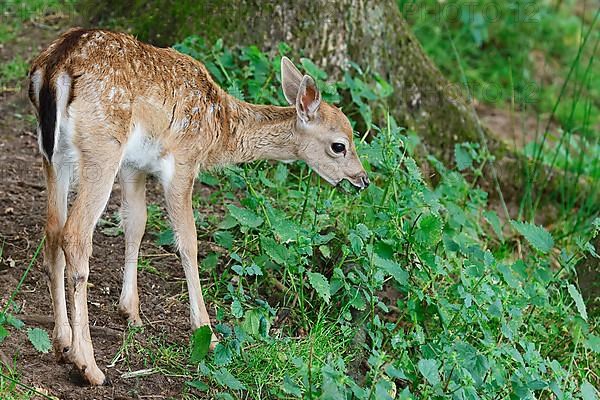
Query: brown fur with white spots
x=110 y=105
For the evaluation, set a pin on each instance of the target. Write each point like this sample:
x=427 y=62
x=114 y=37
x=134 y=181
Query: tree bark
x=588 y=274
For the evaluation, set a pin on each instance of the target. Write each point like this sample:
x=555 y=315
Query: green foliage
x=539 y=61
x=320 y=284
x=576 y=296
x=537 y=236
x=39 y=339
x=13 y=72
x=513 y=51
x=200 y=343
x=249 y=75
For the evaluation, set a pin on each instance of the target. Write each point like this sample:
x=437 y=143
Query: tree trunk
x=588 y=274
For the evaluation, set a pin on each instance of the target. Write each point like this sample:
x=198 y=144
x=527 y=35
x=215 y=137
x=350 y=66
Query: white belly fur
x=141 y=153
x=144 y=153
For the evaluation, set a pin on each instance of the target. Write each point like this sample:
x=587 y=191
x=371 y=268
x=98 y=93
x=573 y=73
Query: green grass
x=513 y=51
x=10 y=388
x=16 y=15
x=262 y=365
x=12 y=74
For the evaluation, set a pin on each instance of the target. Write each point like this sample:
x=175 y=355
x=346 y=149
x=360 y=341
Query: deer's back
x=124 y=84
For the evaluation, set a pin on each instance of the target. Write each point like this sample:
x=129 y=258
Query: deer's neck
x=259 y=132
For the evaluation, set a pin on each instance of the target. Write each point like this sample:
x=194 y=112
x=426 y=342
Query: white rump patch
x=36 y=81
x=63 y=89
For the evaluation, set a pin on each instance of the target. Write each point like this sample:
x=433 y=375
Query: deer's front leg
x=178 y=193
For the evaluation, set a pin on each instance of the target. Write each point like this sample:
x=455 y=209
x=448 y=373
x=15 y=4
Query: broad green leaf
x=251 y=323
x=208 y=179
x=224 y=378
x=14 y=321
x=494 y=221
x=313 y=70
x=234 y=90
x=281 y=173
x=356 y=243
x=474 y=362
x=392 y=268
x=210 y=261
x=429 y=231
x=357 y=300
x=264 y=180
x=165 y=238
x=224 y=239
x=363 y=231
x=199 y=385
x=384 y=390
x=285 y=230
x=593 y=343
x=576 y=296
x=429 y=369
x=3 y=333
x=277 y=252
x=463 y=157
x=538 y=237
x=395 y=373
x=588 y=392
x=325 y=250
x=320 y=284
x=245 y=217
x=323 y=239
x=290 y=387
x=227 y=223
x=200 y=344
x=39 y=339
x=414 y=172
x=236 y=309
x=222 y=354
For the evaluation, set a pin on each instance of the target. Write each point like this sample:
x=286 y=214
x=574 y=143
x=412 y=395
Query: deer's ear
x=290 y=80
x=308 y=99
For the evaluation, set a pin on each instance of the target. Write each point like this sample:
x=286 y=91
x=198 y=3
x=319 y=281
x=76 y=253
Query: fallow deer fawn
x=110 y=105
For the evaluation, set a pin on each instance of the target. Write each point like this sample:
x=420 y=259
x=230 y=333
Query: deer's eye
x=338 y=148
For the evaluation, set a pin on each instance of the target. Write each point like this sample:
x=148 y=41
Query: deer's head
x=323 y=133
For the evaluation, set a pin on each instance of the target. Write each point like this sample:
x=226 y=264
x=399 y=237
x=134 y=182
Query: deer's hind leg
x=58 y=177
x=100 y=155
x=133 y=217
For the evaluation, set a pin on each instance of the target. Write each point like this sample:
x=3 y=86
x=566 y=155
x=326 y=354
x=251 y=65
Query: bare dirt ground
x=163 y=298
